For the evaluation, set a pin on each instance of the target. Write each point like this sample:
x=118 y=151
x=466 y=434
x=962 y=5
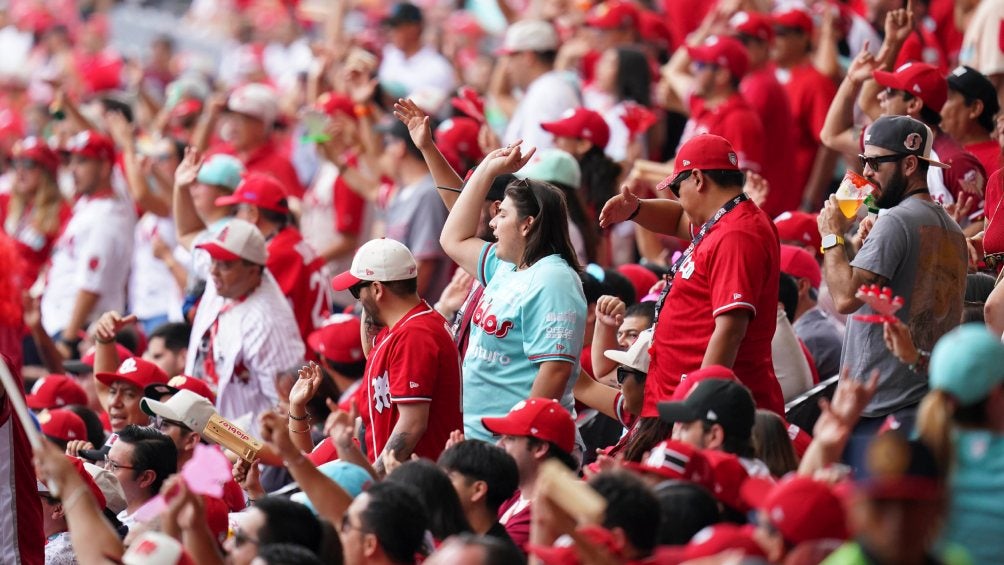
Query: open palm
x=416 y=120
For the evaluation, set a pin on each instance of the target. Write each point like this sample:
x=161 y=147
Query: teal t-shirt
x=524 y=318
x=976 y=503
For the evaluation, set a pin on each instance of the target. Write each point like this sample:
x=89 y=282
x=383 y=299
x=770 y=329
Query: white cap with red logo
x=237 y=240
x=381 y=260
x=155 y=548
x=255 y=100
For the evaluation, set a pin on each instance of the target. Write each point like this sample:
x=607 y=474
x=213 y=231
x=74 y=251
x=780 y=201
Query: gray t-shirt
x=922 y=252
x=415 y=217
x=823 y=340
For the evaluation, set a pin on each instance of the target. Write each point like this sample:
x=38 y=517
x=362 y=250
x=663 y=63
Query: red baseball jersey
x=810 y=93
x=993 y=237
x=988 y=153
x=736 y=266
x=414 y=361
x=735 y=121
x=268 y=159
x=964 y=166
x=33 y=246
x=297 y=269
x=769 y=100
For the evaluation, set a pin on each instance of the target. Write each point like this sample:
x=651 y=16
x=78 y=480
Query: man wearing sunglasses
x=915 y=248
x=411 y=400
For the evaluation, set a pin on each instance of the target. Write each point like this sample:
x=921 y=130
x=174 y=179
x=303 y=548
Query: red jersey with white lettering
x=297 y=268
x=809 y=93
x=414 y=361
x=268 y=159
x=734 y=120
x=769 y=100
x=964 y=166
x=988 y=153
x=735 y=267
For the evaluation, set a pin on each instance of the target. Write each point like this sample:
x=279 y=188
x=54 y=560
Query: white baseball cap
x=529 y=35
x=155 y=548
x=237 y=240
x=186 y=407
x=636 y=357
x=256 y=100
x=381 y=260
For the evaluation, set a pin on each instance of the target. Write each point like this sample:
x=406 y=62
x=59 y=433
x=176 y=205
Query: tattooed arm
x=413 y=419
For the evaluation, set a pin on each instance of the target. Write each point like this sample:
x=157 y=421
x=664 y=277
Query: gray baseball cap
x=903 y=135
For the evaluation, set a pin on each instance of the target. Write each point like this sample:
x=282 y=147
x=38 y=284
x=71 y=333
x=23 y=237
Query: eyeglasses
x=701 y=65
x=357 y=288
x=891 y=92
x=624 y=372
x=163 y=423
x=26 y=164
x=674 y=186
x=112 y=466
x=348 y=526
x=240 y=538
x=875 y=162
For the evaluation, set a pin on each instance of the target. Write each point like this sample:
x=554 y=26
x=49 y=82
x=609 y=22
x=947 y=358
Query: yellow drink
x=850 y=206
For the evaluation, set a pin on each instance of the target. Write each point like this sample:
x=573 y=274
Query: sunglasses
x=876 y=162
x=525 y=183
x=674 y=186
x=891 y=92
x=355 y=289
x=624 y=372
x=26 y=164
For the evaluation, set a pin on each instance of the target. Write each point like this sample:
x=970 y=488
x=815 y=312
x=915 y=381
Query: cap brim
x=887 y=79
x=157 y=408
x=755 y=490
x=155 y=391
x=108 y=379
x=218 y=252
x=698 y=54
x=669 y=182
x=344 y=281
x=644 y=469
x=230 y=200
x=77 y=367
x=34 y=403
x=94 y=454
x=934 y=163
x=502 y=426
x=671 y=412
x=559 y=127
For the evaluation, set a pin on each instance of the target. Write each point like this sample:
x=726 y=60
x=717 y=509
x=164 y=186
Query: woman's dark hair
x=634 y=77
x=631 y=506
x=288 y=522
x=95 y=431
x=686 y=509
x=599 y=180
x=548 y=233
x=772 y=444
x=446 y=515
x=787 y=295
x=577 y=213
x=647 y=433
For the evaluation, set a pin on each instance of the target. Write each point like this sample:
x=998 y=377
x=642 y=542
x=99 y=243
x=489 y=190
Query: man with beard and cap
x=915 y=248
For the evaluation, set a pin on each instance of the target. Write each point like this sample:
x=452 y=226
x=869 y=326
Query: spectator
x=741 y=294
x=244 y=331
x=339 y=350
x=622 y=405
x=90 y=263
x=272 y=520
x=686 y=508
x=409 y=66
x=167 y=347
x=794 y=511
x=142 y=459
x=412 y=395
x=813 y=326
x=55 y=391
x=441 y=502
x=468 y=548
x=384 y=524
x=896 y=157
x=528 y=52
x=120 y=390
x=772 y=444
x=485 y=477
x=968 y=115
x=623 y=76
x=532 y=314
x=980 y=37
x=632 y=514
x=61 y=426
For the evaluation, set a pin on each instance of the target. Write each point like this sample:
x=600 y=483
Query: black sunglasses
x=891 y=92
x=674 y=186
x=26 y=164
x=624 y=372
x=357 y=288
x=876 y=162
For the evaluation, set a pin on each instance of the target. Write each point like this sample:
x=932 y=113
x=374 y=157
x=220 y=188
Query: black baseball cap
x=403 y=13
x=903 y=135
x=974 y=85
x=715 y=401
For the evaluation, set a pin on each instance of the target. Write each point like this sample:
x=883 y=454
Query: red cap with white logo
x=703 y=152
x=338 y=340
x=54 y=391
x=135 y=371
x=62 y=425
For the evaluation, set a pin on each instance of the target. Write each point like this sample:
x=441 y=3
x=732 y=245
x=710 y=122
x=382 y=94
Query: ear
x=914 y=106
x=715 y=438
x=803 y=286
x=620 y=538
x=540 y=451
x=480 y=491
x=910 y=165
x=526 y=225
x=191 y=441
x=370 y=545
x=57 y=512
x=698 y=177
x=976 y=109
x=146 y=478
x=494 y=207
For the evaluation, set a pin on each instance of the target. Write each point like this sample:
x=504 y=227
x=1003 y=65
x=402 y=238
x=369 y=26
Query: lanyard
x=729 y=206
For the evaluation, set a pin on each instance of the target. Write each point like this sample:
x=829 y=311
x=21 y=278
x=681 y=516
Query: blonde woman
x=34 y=212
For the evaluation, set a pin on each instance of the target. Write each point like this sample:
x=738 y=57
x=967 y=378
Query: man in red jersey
x=705 y=78
x=412 y=378
x=718 y=306
x=295 y=265
x=769 y=100
x=810 y=93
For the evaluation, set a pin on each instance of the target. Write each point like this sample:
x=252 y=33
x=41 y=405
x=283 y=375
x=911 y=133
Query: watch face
x=829 y=240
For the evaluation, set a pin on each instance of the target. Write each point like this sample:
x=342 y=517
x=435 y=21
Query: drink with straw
x=851 y=193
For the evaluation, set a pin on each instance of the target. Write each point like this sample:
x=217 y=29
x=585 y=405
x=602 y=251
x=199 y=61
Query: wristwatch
x=830 y=240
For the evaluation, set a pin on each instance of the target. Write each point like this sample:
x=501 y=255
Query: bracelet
x=298 y=418
x=101 y=341
x=74 y=498
x=303 y=431
x=457 y=190
x=923 y=360
x=635 y=213
x=362 y=110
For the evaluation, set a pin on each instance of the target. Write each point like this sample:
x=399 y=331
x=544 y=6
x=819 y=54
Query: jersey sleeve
x=286 y=265
x=412 y=367
x=103 y=258
x=349 y=209
x=965 y=168
x=488 y=264
x=553 y=319
x=739 y=270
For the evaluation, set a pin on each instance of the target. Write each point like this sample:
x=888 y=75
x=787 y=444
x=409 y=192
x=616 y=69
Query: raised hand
x=188 y=170
x=619 y=208
x=899 y=341
x=863 y=65
x=610 y=311
x=275 y=432
x=456 y=436
x=109 y=324
x=120 y=129
x=456 y=292
x=417 y=121
x=899 y=24
x=508 y=159
x=757 y=188
x=305 y=387
x=839 y=415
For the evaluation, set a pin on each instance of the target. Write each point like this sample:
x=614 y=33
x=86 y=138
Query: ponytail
x=935 y=424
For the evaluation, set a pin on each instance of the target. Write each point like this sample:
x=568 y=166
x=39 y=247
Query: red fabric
x=993 y=237
x=736 y=266
x=518 y=526
x=812 y=362
x=685 y=16
x=233 y=496
x=297 y=269
x=323 y=452
x=922 y=45
x=349 y=209
x=769 y=100
x=34 y=257
x=988 y=153
x=810 y=93
x=586 y=360
x=949 y=37
x=268 y=159
x=736 y=121
x=964 y=165
x=415 y=361
x=99 y=71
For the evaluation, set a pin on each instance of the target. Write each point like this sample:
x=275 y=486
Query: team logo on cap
x=913 y=141
x=128 y=366
x=177 y=381
x=686 y=163
x=733 y=159
x=223 y=234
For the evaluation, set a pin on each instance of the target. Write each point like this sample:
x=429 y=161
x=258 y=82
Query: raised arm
x=899 y=24
x=421 y=134
x=838 y=131
x=139 y=189
x=186 y=220
x=654 y=214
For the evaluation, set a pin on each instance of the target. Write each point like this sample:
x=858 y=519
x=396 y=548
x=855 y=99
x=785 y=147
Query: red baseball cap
x=722 y=51
x=37 y=150
x=62 y=424
x=333 y=103
x=794 y=18
x=720 y=538
x=135 y=371
x=801 y=508
x=181 y=382
x=580 y=123
x=338 y=339
x=919 y=79
x=676 y=460
x=728 y=475
x=702 y=152
x=613 y=14
x=800 y=439
x=55 y=391
x=798 y=227
x=797 y=262
x=186 y=107
x=689 y=380
x=78 y=466
x=457 y=138
x=642 y=278
x=541 y=418
x=753 y=24
x=258 y=189
x=653 y=28
x=92 y=145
